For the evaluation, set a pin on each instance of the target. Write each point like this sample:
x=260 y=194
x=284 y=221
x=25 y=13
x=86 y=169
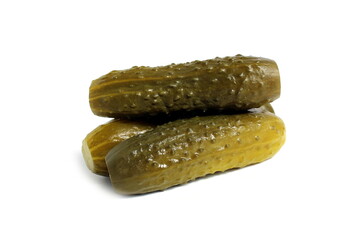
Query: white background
x=50 y=52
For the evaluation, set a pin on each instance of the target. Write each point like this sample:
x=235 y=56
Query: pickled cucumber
x=103 y=138
x=98 y=142
x=237 y=83
x=186 y=149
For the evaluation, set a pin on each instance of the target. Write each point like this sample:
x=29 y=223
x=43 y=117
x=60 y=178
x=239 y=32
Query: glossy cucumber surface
x=186 y=149
x=102 y=139
x=235 y=83
x=98 y=142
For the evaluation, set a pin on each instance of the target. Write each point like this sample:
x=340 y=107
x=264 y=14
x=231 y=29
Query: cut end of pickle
x=87 y=156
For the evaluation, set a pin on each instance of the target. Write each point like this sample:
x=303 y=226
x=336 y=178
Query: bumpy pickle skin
x=183 y=150
x=102 y=139
x=98 y=142
x=238 y=83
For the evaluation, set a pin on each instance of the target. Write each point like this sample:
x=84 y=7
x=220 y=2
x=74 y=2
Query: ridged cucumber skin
x=183 y=150
x=98 y=142
x=237 y=82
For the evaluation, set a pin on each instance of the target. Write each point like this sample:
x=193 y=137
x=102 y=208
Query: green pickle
x=183 y=150
x=230 y=83
x=102 y=139
x=98 y=142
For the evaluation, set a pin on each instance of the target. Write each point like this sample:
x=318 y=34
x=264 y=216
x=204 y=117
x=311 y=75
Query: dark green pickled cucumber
x=180 y=151
x=235 y=83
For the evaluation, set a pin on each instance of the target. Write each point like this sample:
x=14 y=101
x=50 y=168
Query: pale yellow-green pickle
x=183 y=150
